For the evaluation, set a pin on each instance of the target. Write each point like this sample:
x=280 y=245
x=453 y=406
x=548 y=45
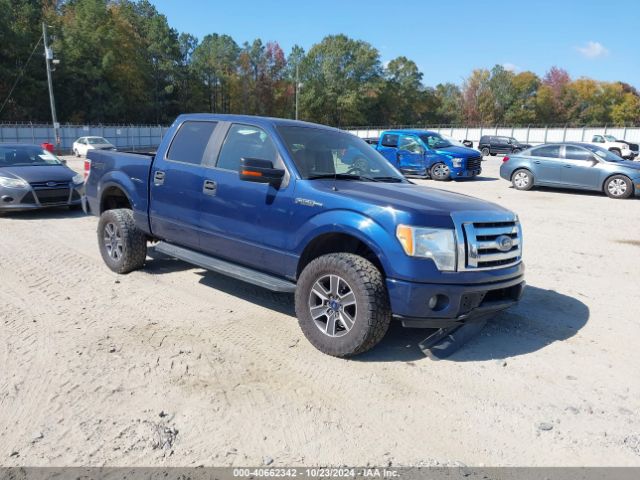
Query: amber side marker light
x=251 y=173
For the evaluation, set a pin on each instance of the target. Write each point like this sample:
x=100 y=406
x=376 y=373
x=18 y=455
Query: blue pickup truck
x=275 y=202
x=427 y=154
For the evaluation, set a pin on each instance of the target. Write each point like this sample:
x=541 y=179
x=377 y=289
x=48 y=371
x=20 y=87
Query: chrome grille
x=488 y=240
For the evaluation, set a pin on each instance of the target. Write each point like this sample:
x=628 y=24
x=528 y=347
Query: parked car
x=428 y=154
x=32 y=177
x=82 y=145
x=272 y=202
x=619 y=147
x=572 y=165
x=494 y=144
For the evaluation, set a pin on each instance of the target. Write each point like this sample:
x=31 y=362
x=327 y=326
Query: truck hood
x=407 y=197
x=33 y=174
x=456 y=151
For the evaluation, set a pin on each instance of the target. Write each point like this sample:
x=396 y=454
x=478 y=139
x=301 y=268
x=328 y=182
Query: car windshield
x=610 y=138
x=21 y=156
x=604 y=154
x=97 y=141
x=321 y=153
x=434 y=141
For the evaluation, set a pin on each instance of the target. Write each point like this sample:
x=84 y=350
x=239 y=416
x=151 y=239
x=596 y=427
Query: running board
x=229 y=269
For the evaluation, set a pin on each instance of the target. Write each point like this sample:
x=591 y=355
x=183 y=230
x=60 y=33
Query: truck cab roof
x=252 y=119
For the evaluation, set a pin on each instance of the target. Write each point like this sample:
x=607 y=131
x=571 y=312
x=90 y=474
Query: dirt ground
x=173 y=365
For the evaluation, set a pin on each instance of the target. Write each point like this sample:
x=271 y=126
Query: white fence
x=531 y=135
x=125 y=136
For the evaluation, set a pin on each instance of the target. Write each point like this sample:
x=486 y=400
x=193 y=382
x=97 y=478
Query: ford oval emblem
x=504 y=243
x=51 y=184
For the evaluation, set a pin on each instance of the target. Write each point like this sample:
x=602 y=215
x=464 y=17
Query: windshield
x=97 y=141
x=320 y=153
x=434 y=141
x=610 y=138
x=21 y=156
x=604 y=154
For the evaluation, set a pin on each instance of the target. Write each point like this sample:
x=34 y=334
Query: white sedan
x=82 y=145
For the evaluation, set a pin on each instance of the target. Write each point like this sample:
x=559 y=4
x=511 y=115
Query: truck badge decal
x=307 y=203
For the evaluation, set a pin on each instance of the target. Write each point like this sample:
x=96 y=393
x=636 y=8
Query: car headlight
x=457 y=162
x=78 y=179
x=13 y=183
x=438 y=244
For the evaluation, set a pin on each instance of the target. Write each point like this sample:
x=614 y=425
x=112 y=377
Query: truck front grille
x=485 y=243
x=474 y=163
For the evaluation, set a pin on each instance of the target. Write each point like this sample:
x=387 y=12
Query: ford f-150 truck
x=429 y=154
x=271 y=202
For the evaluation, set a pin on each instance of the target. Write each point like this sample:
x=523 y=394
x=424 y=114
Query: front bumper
x=457 y=304
x=465 y=173
x=15 y=200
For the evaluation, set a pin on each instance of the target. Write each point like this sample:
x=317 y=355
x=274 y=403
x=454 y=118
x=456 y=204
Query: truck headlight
x=457 y=162
x=438 y=244
x=13 y=183
x=78 y=179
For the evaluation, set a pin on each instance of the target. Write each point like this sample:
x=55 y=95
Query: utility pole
x=297 y=86
x=48 y=57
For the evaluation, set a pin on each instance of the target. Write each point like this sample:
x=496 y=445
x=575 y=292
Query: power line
x=24 y=68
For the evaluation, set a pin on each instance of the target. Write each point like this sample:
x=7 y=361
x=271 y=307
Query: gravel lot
x=177 y=366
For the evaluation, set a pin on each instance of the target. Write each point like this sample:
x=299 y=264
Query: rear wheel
x=485 y=152
x=76 y=153
x=122 y=245
x=342 y=304
x=618 y=186
x=516 y=150
x=440 y=172
x=522 y=179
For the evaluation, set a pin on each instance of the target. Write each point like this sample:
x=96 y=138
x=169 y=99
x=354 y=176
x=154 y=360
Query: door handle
x=567 y=166
x=209 y=187
x=537 y=162
x=158 y=178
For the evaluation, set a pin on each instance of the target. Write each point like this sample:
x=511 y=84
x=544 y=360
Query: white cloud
x=511 y=67
x=593 y=50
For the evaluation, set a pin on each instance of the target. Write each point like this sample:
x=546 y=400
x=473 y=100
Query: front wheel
x=122 y=245
x=440 y=172
x=485 y=152
x=522 y=179
x=616 y=151
x=342 y=304
x=618 y=186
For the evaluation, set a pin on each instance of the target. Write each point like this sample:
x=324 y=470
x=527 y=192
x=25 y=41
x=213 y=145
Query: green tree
x=342 y=78
x=522 y=110
x=215 y=59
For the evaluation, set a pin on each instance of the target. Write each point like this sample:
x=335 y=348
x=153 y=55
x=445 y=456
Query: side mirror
x=63 y=161
x=260 y=171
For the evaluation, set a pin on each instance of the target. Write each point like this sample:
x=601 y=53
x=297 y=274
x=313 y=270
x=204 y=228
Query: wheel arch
x=616 y=174
x=113 y=196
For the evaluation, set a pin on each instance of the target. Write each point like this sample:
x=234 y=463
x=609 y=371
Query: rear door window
x=390 y=140
x=549 y=151
x=410 y=144
x=190 y=142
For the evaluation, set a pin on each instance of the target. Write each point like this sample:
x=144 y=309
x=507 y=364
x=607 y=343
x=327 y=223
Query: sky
x=447 y=39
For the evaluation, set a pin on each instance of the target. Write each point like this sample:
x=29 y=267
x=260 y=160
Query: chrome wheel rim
x=441 y=171
x=521 y=179
x=113 y=241
x=617 y=187
x=332 y=305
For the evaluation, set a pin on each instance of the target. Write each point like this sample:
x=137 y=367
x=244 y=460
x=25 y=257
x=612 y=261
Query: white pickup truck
x=619 y=147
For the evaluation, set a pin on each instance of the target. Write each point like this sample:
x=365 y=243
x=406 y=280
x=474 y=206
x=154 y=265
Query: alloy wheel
x=113 y=241
x=617 y=187
x=521 y=179
x=332 y=304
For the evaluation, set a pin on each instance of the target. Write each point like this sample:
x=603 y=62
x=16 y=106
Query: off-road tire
x=133 y=241
x=608 y=187
x=372 y=300
x=485 y=152
x=519 y=185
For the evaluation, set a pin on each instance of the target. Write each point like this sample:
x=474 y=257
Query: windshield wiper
x=342 y=176
x=388 y=179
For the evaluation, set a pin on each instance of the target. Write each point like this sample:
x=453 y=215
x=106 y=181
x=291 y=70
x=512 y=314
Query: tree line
x=121 y=62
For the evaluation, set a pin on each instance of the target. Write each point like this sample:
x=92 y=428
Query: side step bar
x=245 y=274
